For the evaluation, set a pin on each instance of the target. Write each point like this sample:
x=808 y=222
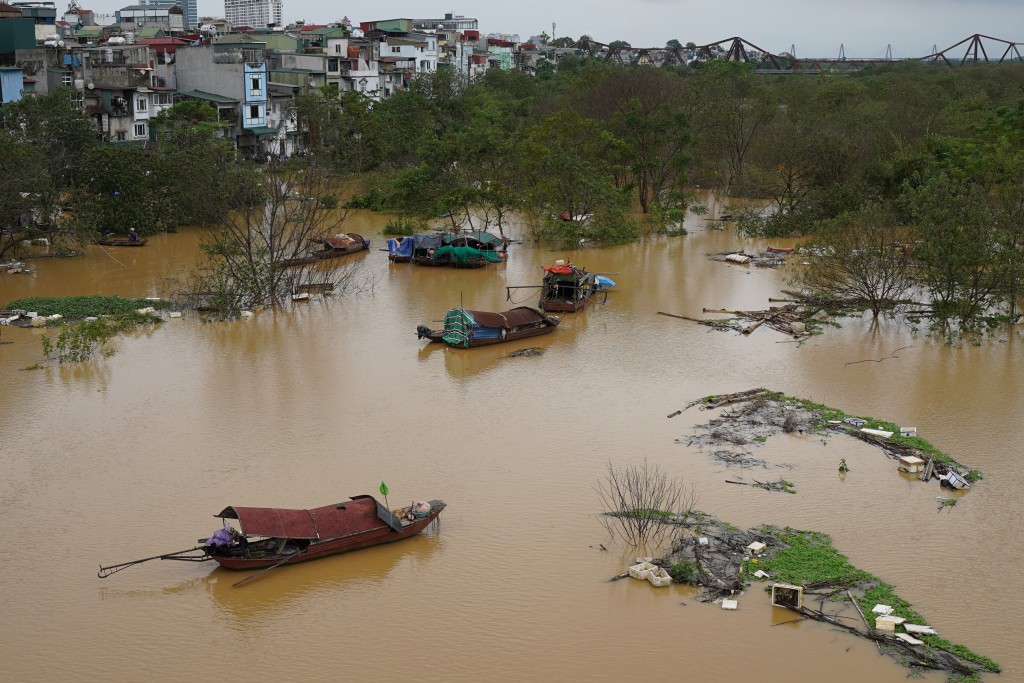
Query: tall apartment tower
x=254 y=13
x=190 y=12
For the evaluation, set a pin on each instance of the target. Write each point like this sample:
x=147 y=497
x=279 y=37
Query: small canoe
x=141 y=242
x=779 y=250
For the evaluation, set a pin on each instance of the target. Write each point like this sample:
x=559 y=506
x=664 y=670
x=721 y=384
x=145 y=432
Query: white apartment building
x=254 y=13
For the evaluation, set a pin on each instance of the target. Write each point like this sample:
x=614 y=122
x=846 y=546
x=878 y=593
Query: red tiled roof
x=312 y=27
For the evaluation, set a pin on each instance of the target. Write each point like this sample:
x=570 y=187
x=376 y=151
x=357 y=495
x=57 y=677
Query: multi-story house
x=254 y=13
x=395 y=74
x=352 y=65
x=421 y=48
x=230 y=74
x=501 y=54
x=167 y=16
x=116 y=83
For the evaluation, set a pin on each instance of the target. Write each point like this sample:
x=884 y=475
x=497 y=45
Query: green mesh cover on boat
x=463 y=254
x=457 y=325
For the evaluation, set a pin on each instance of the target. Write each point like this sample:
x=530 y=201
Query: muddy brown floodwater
x=131 y=456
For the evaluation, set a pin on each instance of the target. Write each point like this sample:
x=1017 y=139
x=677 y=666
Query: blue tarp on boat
x=603 y=281
x=401 y=246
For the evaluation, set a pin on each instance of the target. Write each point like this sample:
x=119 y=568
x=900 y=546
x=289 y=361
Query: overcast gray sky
x=815 y=27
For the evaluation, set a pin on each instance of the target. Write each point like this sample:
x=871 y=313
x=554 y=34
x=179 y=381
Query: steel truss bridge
x=736 y=49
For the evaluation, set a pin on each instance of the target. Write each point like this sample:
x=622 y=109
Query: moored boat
x=472 y=249
x=331 y=247
x=400 y=249
x=263 y=538
x=468 y=329
x=779 y=250
x=303 y=535
x=566 y=288
x=141 y=242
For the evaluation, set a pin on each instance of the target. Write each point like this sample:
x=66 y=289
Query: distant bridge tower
x=888 y=52
x=842 y=53
x=792 y=50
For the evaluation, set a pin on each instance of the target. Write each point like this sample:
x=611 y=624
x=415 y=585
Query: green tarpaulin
x=457 y=325
x=464 y=254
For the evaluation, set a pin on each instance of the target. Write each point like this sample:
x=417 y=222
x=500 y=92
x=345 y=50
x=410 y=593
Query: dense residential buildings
x=255 y=14
x=128 y=67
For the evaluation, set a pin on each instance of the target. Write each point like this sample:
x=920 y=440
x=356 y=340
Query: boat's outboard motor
x=422 y=331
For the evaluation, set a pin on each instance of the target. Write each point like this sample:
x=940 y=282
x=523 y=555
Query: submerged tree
x=285 y=213
x=864 y=257
x=639 y=500
x=963 y=265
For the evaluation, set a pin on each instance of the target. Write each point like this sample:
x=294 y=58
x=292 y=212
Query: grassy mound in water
x=79 y=307
x=827 y=413
x=820 y=415
x=809 y=558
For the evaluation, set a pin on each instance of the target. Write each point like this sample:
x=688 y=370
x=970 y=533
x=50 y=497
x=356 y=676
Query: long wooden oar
x=264 y=571
x=104 y=572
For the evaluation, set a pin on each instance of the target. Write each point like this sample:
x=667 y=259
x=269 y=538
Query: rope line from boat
x=108 y=253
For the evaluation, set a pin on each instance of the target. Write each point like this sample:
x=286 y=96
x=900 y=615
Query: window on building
x=65 y=78
x=121 y=136
x=140 y=130
x=254 y=111
x=396 y=49
x=337 y=48
x=140 y=104
x=255 y=83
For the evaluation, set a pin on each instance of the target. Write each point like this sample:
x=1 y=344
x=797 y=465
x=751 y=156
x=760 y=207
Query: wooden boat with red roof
x=303 y=535
x=263 y=538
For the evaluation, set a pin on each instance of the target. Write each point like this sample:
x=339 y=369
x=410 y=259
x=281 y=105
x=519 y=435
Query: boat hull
x=326 y=255
x=123 y=243
x=438 y=336
x=364 y=539
x=557 y=306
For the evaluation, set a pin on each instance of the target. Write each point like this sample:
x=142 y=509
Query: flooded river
x=131 y=456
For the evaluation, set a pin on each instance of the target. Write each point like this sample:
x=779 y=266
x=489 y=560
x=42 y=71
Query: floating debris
x=526 y=353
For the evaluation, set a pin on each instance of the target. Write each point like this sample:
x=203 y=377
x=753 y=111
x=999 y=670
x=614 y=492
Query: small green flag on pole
x=384 y=489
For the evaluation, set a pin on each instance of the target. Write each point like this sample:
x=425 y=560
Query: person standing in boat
x=133 y=236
